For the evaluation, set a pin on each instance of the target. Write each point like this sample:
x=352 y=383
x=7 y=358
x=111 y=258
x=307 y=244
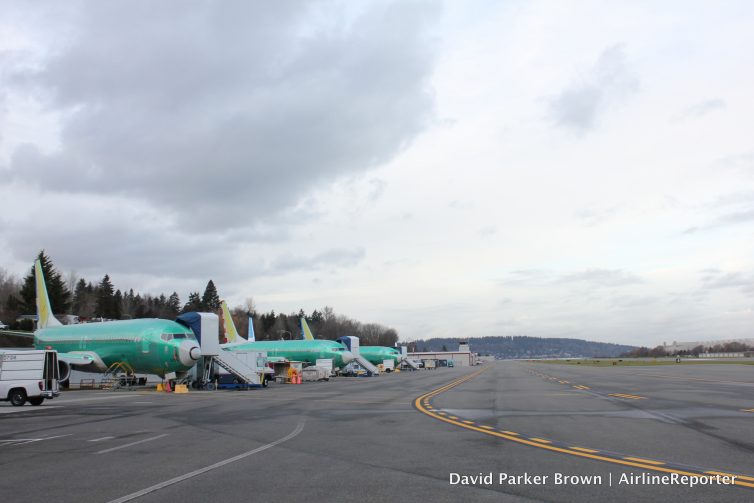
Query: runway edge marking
x=645 y=464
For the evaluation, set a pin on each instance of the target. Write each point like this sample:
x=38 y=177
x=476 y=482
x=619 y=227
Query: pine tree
x=194 y=303
x=174 y=304
x=210 y=299
x=116 y=312
x=57 y=291
x=105 y=298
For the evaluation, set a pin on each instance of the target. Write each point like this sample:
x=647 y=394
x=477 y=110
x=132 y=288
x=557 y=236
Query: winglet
x=306 y=334
x=231 y=334
x=44 y=311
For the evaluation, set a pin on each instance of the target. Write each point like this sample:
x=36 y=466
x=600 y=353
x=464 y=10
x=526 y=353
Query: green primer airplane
x=150 y=346
x=378 y=354
x=373 y=354
x=300 y=351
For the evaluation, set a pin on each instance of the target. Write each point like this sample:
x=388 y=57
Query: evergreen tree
x=105 y=298
x=194 y=303
x=173 y=305
x=117 y=306
x=210 y=299
x=57 y=291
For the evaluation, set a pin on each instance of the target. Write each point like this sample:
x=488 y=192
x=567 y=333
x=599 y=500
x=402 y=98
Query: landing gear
x=36 y=400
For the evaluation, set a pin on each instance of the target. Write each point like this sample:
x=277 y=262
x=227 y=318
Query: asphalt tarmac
x=370 y=439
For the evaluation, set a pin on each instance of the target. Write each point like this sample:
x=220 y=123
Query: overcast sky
x=553 y=169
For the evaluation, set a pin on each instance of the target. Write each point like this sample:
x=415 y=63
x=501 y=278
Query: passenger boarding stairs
x=371 y=369
x=236 y=367
x=410 y=363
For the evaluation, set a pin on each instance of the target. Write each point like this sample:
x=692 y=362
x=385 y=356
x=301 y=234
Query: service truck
x=28 y=376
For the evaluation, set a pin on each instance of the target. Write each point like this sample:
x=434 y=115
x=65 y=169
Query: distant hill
x=528 y=347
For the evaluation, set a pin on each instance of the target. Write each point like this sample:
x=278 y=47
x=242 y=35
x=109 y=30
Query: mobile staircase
x=119 y=375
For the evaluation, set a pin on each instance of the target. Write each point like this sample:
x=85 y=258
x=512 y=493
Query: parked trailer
x=28 y=376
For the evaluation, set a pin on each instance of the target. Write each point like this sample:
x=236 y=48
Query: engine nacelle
x=64 y=369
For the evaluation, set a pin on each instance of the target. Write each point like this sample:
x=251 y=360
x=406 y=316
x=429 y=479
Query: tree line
x=660 y=351
x=522 y=346
x=101 y=300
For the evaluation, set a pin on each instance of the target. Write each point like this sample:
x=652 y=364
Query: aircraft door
x=145 y=345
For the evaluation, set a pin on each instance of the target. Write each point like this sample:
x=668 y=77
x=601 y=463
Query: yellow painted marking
x=507 y=435
x=583 y=449
x=510 y=433
x=632 y=397
x=452 y=417
x=469 y=422
x=488 y=427
x=542 y=440
x=443 y=413
x=744 y=477
x=747 y=410
x=642 y=460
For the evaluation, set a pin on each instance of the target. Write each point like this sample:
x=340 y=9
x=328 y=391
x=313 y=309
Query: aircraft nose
x=189 y=353
x=347 y=356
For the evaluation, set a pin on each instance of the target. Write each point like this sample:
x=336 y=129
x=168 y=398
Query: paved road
x=364 y=440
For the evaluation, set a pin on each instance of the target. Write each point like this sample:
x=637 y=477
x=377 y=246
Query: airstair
x=237 y=368
x=371 y=369
x=411 y=363
x=206 y=328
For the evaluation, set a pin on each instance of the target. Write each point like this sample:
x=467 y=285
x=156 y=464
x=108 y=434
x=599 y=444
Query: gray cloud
x=527 y=277
x=595 y=216
x=739 y=280
x=487 y=231
x=742 y=214
x=581 y=103
x=335 y=257
x=703 y=108
x=632 y=301
x=229 y=110
x=602 y=278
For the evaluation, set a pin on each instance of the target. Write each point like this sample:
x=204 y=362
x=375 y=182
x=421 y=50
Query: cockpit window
x=170 y=337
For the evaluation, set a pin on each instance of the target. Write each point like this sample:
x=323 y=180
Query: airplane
x=149 y=346
x=300 y=351
x=373 y=354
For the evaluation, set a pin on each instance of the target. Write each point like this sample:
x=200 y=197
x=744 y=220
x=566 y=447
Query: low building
x=688 y=346
x=461 y=358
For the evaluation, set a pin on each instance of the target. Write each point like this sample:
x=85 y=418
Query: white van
x=28 y=376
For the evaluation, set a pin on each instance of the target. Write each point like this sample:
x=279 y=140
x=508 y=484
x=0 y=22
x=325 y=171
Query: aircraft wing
x=277 y=359
x=77 y=358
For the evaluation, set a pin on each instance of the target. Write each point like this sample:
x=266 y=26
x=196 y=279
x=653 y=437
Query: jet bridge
x=352 y=344
x=206 y=327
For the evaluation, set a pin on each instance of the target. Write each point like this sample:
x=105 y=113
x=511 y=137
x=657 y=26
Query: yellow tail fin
x=44 y=311
x=306 y=334
x=231 y=334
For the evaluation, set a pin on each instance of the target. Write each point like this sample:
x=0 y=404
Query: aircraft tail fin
x=251 y=337
x=306 y=334
x=231 y=334
x=44 y=311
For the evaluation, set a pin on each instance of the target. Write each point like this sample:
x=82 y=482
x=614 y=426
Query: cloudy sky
x=554 y=169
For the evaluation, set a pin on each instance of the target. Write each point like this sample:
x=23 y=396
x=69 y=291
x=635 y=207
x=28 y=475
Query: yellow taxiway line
x=541 y=443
